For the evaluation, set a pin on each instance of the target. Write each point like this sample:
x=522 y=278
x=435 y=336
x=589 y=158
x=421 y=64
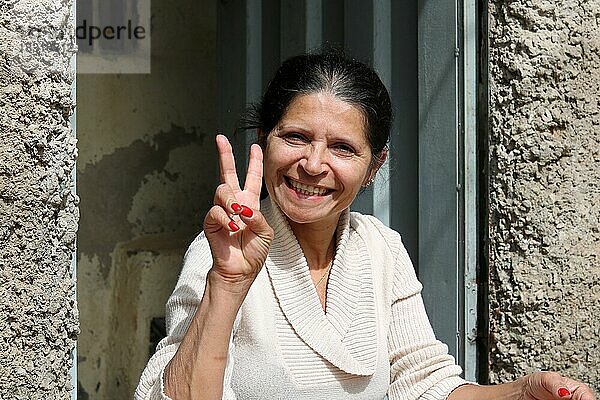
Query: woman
x=336 y=310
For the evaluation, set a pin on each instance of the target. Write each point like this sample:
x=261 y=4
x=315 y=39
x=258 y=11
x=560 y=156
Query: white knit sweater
x=374 y=338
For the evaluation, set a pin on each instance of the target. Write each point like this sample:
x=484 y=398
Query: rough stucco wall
x=146 y=177
x=544 y=73
x=38 y=211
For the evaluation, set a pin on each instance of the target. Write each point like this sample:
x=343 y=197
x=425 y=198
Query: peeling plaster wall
x=146 y=177
x=38 y=211
x=544 y=215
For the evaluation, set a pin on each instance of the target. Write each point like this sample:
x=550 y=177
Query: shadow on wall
x=132 y=191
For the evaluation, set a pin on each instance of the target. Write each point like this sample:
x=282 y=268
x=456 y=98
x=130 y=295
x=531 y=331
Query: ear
x=375 y=165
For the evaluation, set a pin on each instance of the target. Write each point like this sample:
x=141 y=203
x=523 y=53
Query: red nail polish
x=564 y=392
x=247 y=212
x=233 y=226
x=236 y=208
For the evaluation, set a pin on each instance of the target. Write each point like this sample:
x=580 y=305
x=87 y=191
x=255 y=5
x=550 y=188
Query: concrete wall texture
x=544 y=194
x=38 y=210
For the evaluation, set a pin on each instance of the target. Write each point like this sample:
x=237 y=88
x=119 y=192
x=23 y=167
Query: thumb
x=548 y=385
x=556 y=385
x=257 y=223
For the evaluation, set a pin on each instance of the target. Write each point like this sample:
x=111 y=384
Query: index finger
x=254 y=175
x=227 y=163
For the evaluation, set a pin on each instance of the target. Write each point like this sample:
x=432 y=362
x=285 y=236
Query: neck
x=317 y=242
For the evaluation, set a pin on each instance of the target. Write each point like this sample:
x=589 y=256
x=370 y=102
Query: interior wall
x=544 y=198
x=146 y=176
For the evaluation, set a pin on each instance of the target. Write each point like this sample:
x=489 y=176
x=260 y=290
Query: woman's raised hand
x=553 y=386
x=237 y=232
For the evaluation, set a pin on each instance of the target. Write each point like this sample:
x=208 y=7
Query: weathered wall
x=146 y=175
x=544 y=73
x=38 y=211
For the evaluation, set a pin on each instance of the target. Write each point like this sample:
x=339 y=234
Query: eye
x=343 y=149
x=295 y=138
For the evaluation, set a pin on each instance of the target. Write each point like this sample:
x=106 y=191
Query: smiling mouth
x=307 y=190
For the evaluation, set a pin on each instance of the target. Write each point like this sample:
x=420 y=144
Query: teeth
x=307 y=190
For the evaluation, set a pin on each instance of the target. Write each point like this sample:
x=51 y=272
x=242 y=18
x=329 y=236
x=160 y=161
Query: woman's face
x=317 y=158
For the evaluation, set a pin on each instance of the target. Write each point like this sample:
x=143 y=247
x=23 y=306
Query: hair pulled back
x=328 y=71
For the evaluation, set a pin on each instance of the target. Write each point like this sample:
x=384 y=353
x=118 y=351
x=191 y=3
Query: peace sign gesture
x=238 y=234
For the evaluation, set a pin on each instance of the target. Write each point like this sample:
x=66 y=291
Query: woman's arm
x=239 y=248
x=421 y=368
x=507 y=391
x=198 y=368
x=201 y=321
x=192 y=287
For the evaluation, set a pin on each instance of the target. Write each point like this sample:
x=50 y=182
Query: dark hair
x=330 y=71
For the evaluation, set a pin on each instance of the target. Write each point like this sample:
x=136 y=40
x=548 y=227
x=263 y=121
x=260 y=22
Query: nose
x=314 y=160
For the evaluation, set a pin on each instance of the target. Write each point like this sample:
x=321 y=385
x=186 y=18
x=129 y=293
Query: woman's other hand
x=551 y=386
x=237 y=232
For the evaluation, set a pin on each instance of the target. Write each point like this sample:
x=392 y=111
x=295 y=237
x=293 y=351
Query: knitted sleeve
x=181 y=308
x=420 y=366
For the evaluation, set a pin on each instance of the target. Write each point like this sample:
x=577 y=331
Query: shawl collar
x=350 y=278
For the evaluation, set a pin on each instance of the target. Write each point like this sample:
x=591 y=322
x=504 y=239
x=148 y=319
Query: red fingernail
x=233 y=226
x=247 y=212
x=236 y=208
x=564 y=392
